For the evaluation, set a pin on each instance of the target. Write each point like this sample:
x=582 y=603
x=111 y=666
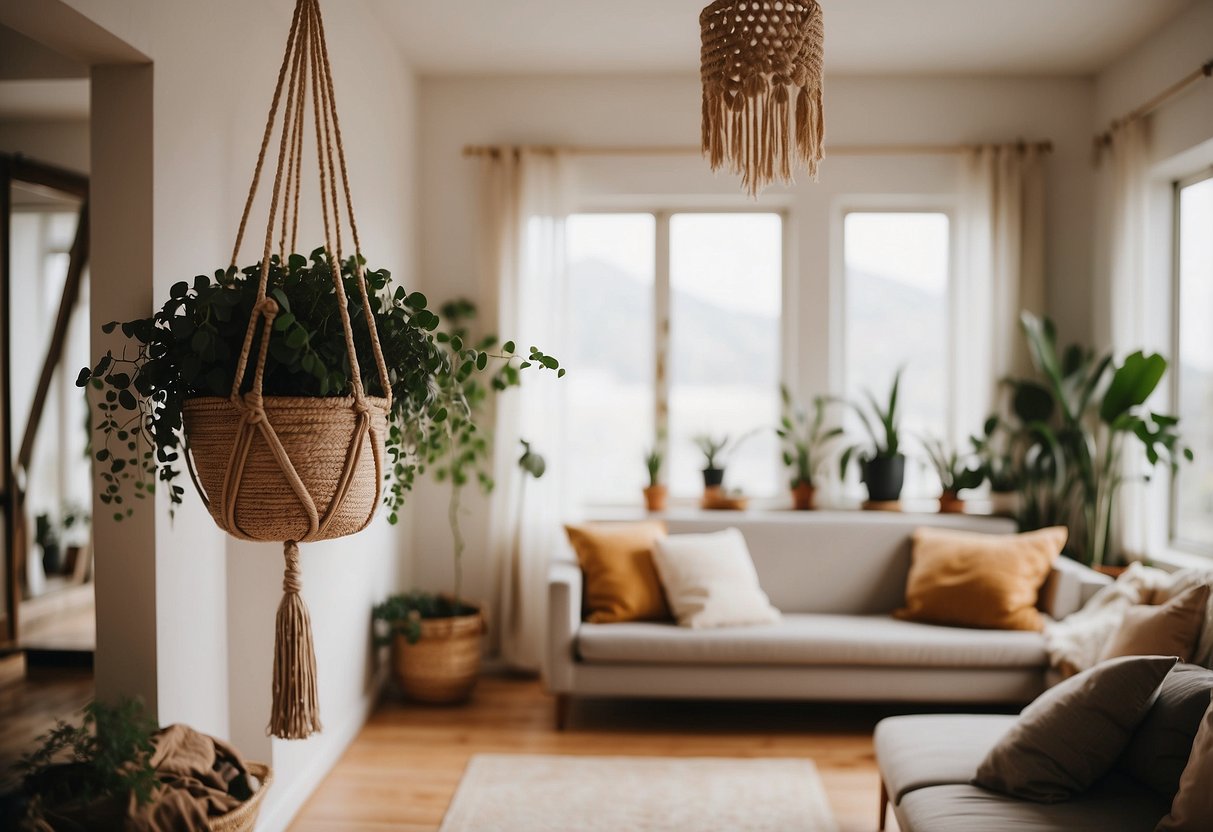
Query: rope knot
x=267 y=307
x=291 y=580
x=254 y=407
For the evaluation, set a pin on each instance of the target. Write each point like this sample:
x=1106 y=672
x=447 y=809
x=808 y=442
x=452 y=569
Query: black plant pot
x=884 y=477
x=52 y=559
x=712 y=477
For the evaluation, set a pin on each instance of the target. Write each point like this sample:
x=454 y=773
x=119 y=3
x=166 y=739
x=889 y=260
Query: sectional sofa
x=837 y=577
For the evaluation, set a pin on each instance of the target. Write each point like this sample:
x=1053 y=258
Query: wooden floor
x=402 y=770
x=31 y=704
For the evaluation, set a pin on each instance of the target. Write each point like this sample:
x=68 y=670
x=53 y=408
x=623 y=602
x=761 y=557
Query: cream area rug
x=550 y=793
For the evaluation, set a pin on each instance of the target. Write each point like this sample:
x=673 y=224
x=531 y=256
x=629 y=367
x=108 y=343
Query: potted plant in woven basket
x=296 y=392
x=806 y=441
x=435 y=638
x=955 y=473
x=106 y=772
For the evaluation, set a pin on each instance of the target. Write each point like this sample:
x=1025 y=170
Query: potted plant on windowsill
x=805 y=441
x=712 y=448
x=995 y=451
x=882 y=465
x=655 y=493
x=435 y=638
x=955 y=474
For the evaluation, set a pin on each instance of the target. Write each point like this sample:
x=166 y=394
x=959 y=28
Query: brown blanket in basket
x=201 y=777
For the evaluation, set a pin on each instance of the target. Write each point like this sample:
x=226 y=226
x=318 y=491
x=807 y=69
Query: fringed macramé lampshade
x=755 y=54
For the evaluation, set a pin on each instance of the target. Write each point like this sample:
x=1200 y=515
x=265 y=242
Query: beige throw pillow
x=1167 y=630
x=1072 y=734
x=1176 y=584
x=1192 y=808
x=710 y=580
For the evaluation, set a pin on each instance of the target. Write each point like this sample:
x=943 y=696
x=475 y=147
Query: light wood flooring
x=402 y=770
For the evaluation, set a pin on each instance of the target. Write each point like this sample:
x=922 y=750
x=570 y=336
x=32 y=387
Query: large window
x=675 y=321
x=896 y=318
x=1192 y=503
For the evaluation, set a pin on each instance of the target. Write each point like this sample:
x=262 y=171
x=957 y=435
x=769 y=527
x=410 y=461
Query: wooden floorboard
x=402 y=770
x=30 y=704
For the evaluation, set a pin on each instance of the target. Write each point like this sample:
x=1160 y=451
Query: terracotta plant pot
x=655 y=497
x=950 y=503
x=1004 y=503
x=1112 y=572
x=804 y=496
x=442 y=667
x=716 y=498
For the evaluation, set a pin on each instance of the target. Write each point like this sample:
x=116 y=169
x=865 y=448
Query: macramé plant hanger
x=284 y=468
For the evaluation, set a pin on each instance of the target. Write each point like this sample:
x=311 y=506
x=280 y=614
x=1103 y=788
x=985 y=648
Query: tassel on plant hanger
x=295 y=713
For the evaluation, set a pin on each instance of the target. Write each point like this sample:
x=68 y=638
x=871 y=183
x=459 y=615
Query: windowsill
x=1173 y=560
x=772 y=508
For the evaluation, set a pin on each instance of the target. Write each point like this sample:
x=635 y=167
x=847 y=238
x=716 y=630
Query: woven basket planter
x=244 y=817
x=442 y=667
x=316 y=434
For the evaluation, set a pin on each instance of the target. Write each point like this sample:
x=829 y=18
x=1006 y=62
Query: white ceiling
x=1033 y=37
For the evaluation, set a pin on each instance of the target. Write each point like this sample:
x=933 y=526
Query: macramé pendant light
x=755 y=54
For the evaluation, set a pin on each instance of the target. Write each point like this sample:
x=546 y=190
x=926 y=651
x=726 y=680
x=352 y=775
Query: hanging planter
x=271 y=382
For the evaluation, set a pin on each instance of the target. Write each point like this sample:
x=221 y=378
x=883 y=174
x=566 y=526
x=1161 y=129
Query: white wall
x=59 y=142
x=664 y=110
x=214 y=66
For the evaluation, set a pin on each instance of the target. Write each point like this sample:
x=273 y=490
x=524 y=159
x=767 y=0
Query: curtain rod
x=1205 y=70
x=688 y=150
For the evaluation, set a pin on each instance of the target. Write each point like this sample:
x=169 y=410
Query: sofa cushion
x=915 y=752
x=808 y=639
x=1162 y=743
x=709 y=580
x=1193 y=805
x=621 y=582
x=1073 y=734
x=1170 y=629
x=1115 y=804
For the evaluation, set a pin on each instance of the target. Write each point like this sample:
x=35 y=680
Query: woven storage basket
x=316 y=434
x=443 y=665
x=244 y=817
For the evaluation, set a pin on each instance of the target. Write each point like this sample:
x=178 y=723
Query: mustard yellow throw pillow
x=968 y=579
x=621 y=582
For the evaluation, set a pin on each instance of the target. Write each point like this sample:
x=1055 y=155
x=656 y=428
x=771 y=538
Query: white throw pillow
x=709 y=580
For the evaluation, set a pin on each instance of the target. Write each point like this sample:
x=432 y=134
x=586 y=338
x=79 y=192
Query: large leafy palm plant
x=1083 y=419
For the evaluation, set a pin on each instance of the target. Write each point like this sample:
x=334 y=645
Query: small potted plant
x=712 y=448
x=655 y=494
x=805 y=442
x=882 y=465
x=435 y=638
x=955 y=474
x=46 y=535
x=995 y=453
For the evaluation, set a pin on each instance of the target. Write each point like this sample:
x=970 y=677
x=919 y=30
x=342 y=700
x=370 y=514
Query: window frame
x=661 y=213
x=1174 y=540
x=945 y=204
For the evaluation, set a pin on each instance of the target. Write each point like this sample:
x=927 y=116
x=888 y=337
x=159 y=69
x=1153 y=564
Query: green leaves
x=1132 y=383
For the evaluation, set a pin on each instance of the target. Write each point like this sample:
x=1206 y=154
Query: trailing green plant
x=883 y=443
x=713 y=449
x=956 y=472
x=806 y=440
x=106 y=756
x=1078 y=421
x=190 y=345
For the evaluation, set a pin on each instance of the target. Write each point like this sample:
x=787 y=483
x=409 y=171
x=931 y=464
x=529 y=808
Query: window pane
x=896 y=271
x=1194 y=486
x=610 y=380
x=725 y=299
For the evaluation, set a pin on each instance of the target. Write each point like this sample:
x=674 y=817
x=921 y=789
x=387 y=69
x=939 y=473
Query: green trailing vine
x=189 y=347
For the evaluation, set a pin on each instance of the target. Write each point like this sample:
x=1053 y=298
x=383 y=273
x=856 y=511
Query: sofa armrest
x=1069 y=587
x=564 y=618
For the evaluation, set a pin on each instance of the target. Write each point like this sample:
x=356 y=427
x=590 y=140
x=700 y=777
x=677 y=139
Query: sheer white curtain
x=1124 y=315
x=524 y=207
x=1000 y=274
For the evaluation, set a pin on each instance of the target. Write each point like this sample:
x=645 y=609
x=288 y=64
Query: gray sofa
x=926 y=763
x=836 y=576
